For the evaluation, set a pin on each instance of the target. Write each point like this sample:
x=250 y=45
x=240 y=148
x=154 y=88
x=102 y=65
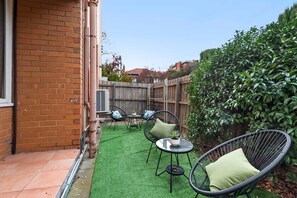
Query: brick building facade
x=48 y=69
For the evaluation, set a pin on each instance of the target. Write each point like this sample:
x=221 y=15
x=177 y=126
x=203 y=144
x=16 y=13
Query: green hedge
x=250 y=83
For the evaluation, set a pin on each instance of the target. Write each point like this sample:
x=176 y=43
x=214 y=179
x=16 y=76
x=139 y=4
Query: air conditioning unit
x=102 y=101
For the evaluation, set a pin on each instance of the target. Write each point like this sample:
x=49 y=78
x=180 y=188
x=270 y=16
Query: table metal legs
x=156 y=173
x=173 y=170
x=134 y=122
x=189 y=160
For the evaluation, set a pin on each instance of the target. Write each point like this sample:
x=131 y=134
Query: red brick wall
x=178 y=66
x=49 y=75
x=5 y=131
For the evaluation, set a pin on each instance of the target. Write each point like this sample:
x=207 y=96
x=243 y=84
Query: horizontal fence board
x=124 y=86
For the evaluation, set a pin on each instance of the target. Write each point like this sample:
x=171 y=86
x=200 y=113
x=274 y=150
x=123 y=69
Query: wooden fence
x=172 y=95
x=131 y=97
x=134 y=97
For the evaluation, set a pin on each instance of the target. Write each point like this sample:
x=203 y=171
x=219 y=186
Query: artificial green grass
x=121 y=170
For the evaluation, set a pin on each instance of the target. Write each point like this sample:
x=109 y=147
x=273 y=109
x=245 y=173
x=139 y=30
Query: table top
x=164 y=144
x=134 y=116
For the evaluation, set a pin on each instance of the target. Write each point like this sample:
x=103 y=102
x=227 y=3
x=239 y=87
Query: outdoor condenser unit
x=102 y=100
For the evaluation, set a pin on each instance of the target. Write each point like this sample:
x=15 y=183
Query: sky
x=158 y=33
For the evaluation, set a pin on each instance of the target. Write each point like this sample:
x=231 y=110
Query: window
x=6 y=21
x=2 y=18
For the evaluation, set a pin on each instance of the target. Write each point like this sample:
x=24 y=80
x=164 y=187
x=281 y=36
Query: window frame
x=8 y=34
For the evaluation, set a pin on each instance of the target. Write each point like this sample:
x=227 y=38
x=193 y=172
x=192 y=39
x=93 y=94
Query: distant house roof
x=136 y=71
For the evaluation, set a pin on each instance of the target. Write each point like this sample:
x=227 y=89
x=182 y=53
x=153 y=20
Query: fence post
x=152 y=94
x=113 y=94
x=177 y=98
x=148 y=94
x=165 y=94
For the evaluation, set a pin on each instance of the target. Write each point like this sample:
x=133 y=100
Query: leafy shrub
x=207 y=54
x=289 y=14
x=250 y=83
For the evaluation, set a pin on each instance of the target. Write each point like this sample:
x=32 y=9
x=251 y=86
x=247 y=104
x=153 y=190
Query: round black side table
x=184 y=147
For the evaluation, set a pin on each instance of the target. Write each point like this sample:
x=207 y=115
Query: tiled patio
x=35 y=175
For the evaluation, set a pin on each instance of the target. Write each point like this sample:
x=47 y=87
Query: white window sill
x=6 y=105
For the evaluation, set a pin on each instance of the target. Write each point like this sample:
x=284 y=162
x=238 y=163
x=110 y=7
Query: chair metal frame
x=265 y=150
x=115 y=120
x=165 y=116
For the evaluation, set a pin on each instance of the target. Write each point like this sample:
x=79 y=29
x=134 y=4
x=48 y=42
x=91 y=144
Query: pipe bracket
x=93 y=2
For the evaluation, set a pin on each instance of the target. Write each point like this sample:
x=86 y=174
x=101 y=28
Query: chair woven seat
x=265 y=150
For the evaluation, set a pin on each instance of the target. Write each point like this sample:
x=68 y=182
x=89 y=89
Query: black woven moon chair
x=164 y=116
x=114 y=118
x=265 y=150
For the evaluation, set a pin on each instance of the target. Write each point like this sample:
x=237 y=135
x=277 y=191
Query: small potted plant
x=175 y=138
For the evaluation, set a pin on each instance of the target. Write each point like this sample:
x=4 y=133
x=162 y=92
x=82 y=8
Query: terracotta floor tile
x=15 y=182
x=9 y=194
x=7 y=168
x=23 y=168
x=38 y=156
x=47 y=179
x=15 y=158
x=55 y=165
x=39 y=174
x=39 y=193
x=6 y=165
x=66 y=154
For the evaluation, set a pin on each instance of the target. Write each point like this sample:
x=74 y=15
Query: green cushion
x=162 y=130
x=229 y=170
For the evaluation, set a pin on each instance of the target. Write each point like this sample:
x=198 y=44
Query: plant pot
x=174 y=142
